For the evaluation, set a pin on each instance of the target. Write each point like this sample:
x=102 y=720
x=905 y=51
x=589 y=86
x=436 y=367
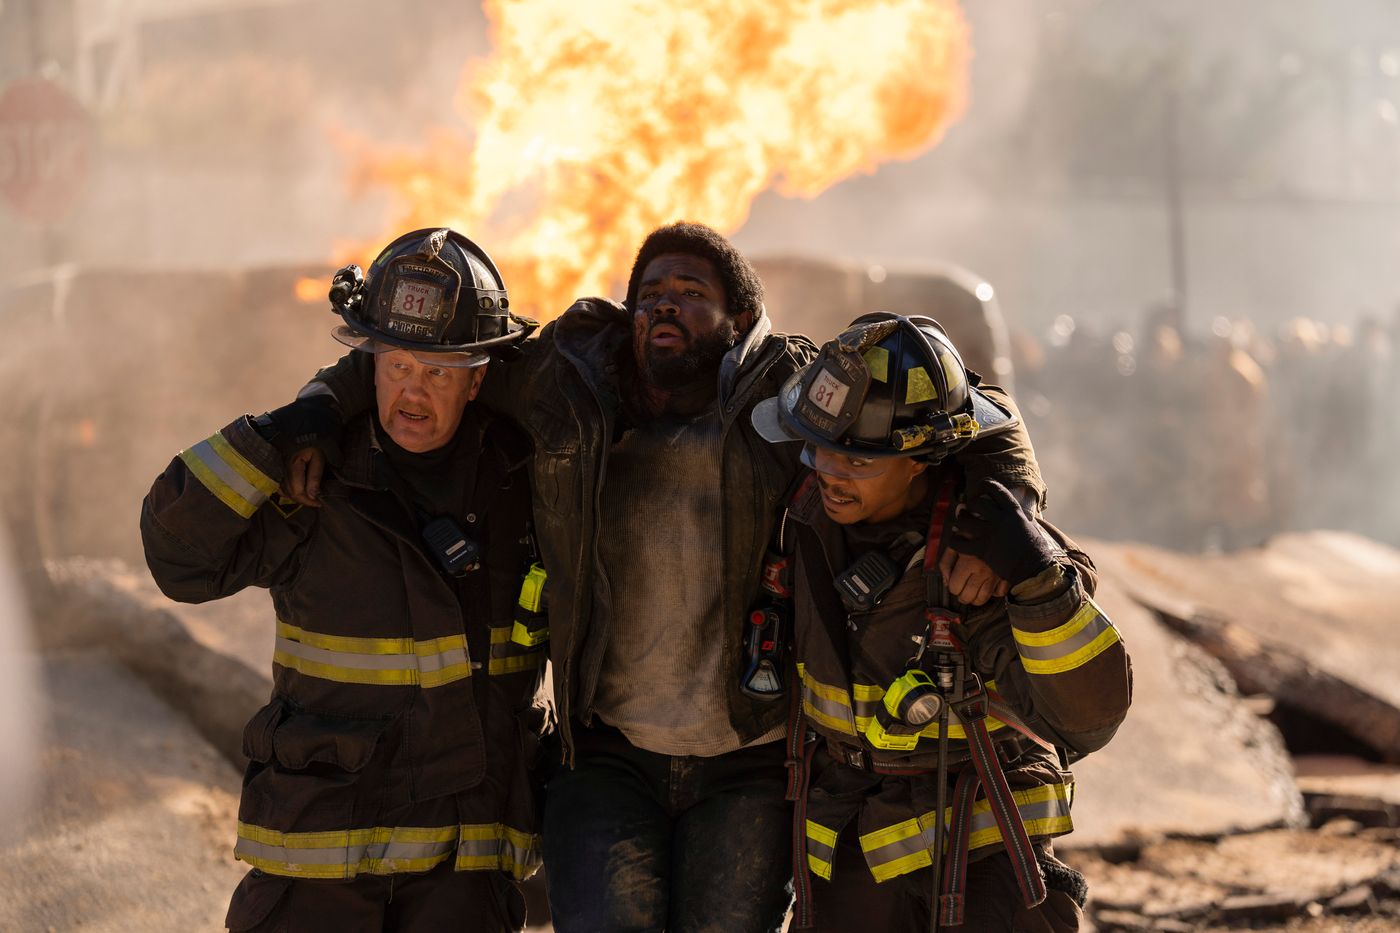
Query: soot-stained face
x=681 y=325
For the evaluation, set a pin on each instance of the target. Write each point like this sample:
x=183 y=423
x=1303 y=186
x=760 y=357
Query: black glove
x=307 y=422
x=995 y=528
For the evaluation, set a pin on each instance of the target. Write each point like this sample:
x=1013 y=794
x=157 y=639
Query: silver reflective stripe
x=218 y=466
x=1091 y=630
x=364 y=662
x=1069 y=646
x=905 y=847
x=496 y=846
x=1047 y=813
x=436 y=662
x=378 y=850
x=826 y=712
x=343 y=856
x=901 y=848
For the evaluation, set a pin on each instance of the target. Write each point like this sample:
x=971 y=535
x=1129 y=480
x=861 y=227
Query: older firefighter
x=921 y=704
x=387 y=786
x=655 y=499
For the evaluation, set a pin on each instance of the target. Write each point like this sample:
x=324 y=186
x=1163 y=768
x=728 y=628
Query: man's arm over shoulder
x=1006 y=456
x=207 y=525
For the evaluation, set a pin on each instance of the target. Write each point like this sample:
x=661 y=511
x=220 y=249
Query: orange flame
x=596 y=122
x=310 y=290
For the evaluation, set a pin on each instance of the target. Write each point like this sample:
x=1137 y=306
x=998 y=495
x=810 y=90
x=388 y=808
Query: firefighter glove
x=307 y=422
x=993 y=526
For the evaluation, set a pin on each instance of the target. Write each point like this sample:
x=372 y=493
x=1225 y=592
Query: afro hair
x=742 y=287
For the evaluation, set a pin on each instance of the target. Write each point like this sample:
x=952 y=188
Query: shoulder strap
x=940 y=527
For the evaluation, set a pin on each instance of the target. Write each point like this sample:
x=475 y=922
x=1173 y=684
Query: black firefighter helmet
x=432 y=290
x=887 y=386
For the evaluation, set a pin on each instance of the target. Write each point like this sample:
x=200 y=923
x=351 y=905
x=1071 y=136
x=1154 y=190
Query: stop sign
x=46 y=143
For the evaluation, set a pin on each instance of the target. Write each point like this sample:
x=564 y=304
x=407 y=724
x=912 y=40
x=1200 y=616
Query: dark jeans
x=636 y=841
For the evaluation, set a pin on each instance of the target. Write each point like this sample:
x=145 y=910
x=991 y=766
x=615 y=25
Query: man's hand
x=307 y=434
x=994 y=527
x=303 y=481
x=969 y=579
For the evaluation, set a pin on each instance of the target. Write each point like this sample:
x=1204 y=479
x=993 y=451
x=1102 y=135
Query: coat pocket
x=305 y=740
x=310 y=771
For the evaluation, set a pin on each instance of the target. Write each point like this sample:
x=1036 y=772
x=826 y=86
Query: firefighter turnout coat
x=1055 y=669
x=401 y=724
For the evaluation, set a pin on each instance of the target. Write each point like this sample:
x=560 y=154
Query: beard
x=672 y=370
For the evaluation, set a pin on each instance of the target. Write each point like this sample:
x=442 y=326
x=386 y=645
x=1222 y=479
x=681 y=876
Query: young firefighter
x=923 y=705
x=387 y=786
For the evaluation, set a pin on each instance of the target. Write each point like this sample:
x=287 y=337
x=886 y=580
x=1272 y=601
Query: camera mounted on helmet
x=431 y=291
x=887 y=386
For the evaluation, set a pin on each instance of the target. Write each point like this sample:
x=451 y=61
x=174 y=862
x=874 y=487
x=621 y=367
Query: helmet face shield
x=843 y=465
x=456 y=359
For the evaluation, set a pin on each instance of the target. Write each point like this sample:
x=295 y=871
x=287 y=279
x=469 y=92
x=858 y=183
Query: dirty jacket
x=1056 y=669
x=401 y=726
x=565 y=391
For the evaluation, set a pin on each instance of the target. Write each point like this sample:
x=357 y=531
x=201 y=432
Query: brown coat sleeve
x=1007 y=457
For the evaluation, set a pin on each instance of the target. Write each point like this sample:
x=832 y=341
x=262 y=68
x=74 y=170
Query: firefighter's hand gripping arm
x=1007 y=458
x=207 y=525
x=345 y=389
x=1078 y=680
x=995 y=529
x=305 y=431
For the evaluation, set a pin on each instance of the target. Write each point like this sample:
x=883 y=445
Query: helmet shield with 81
x=887 y=386
x=430 y=291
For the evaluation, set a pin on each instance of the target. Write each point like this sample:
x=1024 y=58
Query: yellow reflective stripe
x=907 y=849
x=349 y=644
x=895 y=833
x=515 y=664
x=1069 y=662
x=1061 y=649
x=507 y=657
x=1083 y=617
x=866 y=697
x=902 y=865
x=346 y=675
x=955 y=729
x=904 y=847
x=821 y=849
x=243 y=506
x=496 y=846
x=1044 y=811
x=816 y=695
x=240 y=465
x=822 y=719
x=447 y=675
x=867 y=693
x=378 y=850
x=346 y=837
x=826 y=692
x=821 y=833
x=378 y=661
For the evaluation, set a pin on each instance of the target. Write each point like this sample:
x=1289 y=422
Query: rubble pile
x=1327 y=878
